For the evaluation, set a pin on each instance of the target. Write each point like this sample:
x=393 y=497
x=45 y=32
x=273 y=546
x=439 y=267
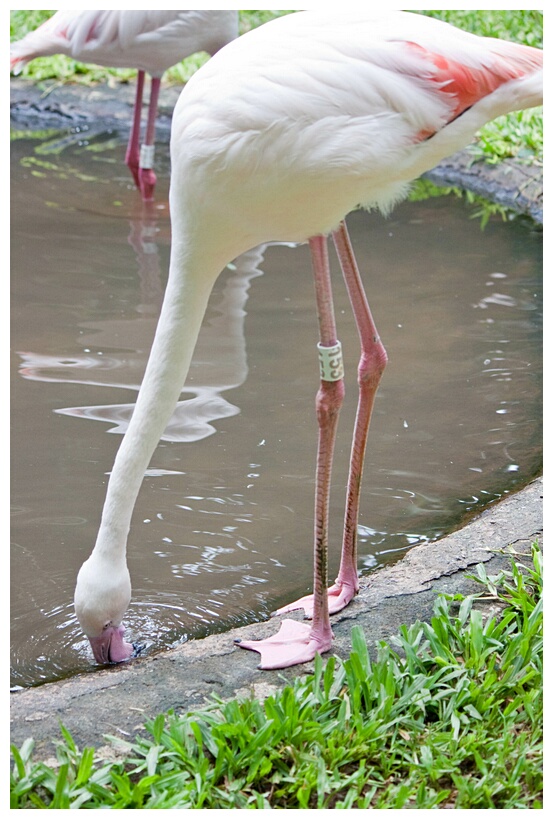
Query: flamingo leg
x=146 y=175
x=298 y=642
x=133 y=147
x=371 y=366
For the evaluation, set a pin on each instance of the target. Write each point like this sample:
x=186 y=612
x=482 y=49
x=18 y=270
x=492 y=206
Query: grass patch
x=448 y=714
x=480 y=207
x=516 y=135
x=521 y=25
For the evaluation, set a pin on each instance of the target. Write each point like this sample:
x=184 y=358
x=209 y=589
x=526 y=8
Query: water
x=222 y=529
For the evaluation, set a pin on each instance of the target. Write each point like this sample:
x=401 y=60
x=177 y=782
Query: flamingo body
x=278 y=137
x=345 y=106
x=149 y=41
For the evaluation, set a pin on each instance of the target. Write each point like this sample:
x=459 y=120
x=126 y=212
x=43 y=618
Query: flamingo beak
x=110 y=647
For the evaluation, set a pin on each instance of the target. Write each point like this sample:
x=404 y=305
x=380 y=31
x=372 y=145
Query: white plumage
x=278 y=137
x=313 y=105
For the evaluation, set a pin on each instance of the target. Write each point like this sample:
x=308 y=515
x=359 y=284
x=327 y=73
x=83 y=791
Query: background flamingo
x=151 y=41
x=278 y=137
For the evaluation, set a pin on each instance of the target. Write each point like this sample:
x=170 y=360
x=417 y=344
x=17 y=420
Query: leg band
x=147 y=156
x=331 y=362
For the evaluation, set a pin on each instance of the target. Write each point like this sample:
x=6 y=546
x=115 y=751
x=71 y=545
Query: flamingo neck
x=192 y=275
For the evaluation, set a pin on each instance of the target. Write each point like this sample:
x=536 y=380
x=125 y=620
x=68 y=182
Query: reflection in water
x=222 y=528
x=219 y=360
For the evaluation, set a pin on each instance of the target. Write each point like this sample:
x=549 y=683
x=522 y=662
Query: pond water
x=222 y=529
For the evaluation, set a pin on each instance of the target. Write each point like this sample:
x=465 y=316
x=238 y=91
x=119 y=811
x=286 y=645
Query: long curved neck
x=192 y=275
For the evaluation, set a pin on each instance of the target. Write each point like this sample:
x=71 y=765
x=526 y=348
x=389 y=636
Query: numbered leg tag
x=331 y=362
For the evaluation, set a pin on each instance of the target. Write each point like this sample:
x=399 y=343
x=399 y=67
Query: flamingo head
x=109 y=646
x=102 y=595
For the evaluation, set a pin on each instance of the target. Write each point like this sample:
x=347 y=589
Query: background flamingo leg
x=133 y=147
x=146 y=175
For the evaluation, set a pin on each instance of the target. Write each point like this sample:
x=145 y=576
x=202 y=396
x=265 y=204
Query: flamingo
x=277 y=138
x=151 y=41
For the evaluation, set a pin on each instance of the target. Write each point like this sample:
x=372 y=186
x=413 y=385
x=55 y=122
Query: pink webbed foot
x=339 y=596
x=295 y=643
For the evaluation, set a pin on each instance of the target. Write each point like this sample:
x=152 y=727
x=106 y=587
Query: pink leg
x=297 y=642
x=133 y=147
x=147 y=177
x=371 y=366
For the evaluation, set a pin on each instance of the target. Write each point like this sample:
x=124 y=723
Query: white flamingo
x=150 y=41
x=278 y=137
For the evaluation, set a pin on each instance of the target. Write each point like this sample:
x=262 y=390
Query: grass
x=480 y=207
x=447 y=715
x=522 y=26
